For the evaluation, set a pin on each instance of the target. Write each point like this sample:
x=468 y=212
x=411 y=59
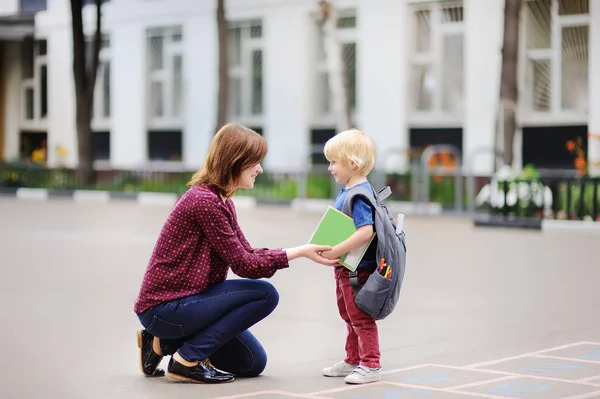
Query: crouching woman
x=188 y=308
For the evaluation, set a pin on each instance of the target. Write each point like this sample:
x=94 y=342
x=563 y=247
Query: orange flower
x=580 y=163
x=570 y=145
x=445 y=159
x=433 y=161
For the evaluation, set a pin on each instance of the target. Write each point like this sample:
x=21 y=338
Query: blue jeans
x=215 y=324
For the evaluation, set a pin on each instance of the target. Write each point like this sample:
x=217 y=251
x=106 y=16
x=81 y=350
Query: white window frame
x=433 y=57
x=171 y=48
x=556 y=115
x=243 y=72
x=38 y=123
x=99 y=121
x=345 y=35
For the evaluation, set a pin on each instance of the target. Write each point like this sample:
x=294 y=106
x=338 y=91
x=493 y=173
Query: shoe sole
x=178 y=377
x=361 y=382
x=337 y=375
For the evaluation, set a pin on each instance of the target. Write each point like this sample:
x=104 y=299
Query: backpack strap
x=383 y=194
x=366 y=194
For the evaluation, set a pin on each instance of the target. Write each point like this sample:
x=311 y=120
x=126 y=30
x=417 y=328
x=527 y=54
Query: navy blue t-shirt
x=362 y=214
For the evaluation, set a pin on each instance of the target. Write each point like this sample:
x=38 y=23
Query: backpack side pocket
x=373 y=295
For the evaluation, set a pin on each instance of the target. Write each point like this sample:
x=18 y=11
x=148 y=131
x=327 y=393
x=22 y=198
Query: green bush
x=575 y=200
x=22 y=174
x=286 y=187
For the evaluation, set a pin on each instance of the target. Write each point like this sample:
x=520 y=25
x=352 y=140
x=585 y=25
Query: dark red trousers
x=362 y=341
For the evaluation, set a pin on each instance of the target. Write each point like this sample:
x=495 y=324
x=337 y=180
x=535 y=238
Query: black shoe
x=149 y=360
x=203 y=372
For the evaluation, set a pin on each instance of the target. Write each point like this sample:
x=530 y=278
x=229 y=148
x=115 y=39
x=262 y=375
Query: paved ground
x=484 y=313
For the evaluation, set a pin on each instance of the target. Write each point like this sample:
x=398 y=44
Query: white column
x=286 y=90
x=594 y=90
x=61 y=124
x=128 y=135
x=383 y=40
x=200 y=76
x=12 y=98
x=484 y=28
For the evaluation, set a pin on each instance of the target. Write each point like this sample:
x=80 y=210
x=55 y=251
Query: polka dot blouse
x=198 y=243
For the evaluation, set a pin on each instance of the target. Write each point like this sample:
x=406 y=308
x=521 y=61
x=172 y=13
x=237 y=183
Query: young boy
x=351 y=157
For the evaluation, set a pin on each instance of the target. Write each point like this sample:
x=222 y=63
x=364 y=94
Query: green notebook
x=334 y=228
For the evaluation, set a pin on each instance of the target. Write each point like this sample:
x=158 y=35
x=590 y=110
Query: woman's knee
x=269 y=292
x=259 y=365
x=257 y=358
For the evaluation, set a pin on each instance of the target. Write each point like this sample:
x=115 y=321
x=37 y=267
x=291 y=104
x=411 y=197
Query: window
x=34 y=83
x=165 y=105
x=101 y=110
x=245 y=51
x=32 y=6
x=33 y=145
x=165 y=145
x=165 y=78
x=556 y=60
x=323 y=111
x=437 y=69
x=101 y=146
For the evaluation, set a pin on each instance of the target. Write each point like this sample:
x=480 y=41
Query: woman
x=187 y=307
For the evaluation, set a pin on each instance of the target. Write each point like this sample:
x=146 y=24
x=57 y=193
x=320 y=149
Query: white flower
x=483 y=195
x=524 y=192
x=505 y=173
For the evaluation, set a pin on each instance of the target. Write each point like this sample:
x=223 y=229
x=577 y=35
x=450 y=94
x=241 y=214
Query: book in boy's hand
x=334 y=228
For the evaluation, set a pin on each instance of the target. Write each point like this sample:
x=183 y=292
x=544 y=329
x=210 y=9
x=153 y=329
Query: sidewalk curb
x=543 y=225
x=168 y=199
x=552 y=226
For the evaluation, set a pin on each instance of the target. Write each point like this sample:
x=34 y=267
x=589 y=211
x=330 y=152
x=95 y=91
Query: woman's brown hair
x=233 y=149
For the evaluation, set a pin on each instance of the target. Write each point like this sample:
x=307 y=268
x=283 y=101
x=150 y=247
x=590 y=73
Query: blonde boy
x=351 y=157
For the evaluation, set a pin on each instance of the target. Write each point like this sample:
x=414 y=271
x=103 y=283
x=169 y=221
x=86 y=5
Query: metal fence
x=563 y=198
x=455 y=188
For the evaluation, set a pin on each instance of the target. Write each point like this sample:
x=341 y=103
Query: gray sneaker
x=340 y=369
x=363 y=375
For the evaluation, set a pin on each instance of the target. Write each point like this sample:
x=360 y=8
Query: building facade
x=419 y=73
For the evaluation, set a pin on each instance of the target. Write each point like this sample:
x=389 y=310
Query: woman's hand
x=312 y=252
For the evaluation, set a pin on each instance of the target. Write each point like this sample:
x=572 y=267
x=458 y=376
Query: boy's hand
x=332 y=256
x=329 y=254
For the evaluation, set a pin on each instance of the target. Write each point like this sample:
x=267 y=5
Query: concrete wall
x=9 y=7
x=483 y=61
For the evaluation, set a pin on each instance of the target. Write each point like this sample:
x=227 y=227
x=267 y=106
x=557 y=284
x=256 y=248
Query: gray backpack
x=378 y=296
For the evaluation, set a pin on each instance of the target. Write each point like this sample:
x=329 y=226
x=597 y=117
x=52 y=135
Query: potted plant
x=525 y=194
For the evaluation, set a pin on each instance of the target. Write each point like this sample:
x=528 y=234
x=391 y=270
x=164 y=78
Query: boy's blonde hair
x=352 y=146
